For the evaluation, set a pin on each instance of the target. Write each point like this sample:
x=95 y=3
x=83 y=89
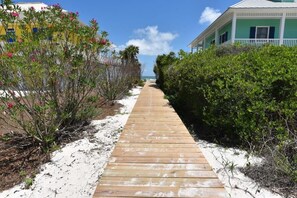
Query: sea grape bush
x=246 y=97
x=48 y=73
x=163 y=62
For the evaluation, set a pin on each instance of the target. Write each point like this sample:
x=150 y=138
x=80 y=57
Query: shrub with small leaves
x=49 y=70
x=243 y=95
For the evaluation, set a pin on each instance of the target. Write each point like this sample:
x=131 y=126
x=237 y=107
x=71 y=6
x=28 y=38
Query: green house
x=252 y=22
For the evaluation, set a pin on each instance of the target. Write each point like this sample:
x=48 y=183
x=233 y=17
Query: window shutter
x=226 y=36
x=271 y=32
x=253 y=32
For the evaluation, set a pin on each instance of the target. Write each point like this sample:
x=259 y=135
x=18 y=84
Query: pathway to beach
x=156 y=156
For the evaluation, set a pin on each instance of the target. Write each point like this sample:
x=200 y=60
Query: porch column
x=217 y=37
x=233 y=28
x=204 y=43
x=282 y=29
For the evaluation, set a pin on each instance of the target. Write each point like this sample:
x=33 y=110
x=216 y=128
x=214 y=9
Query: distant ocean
x=148 y=77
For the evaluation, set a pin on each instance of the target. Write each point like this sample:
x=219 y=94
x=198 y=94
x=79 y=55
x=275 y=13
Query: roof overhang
x=222 y=19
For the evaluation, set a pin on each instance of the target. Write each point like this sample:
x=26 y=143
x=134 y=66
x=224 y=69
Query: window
x=262 y=32
x=223 y=37
x=10 y=35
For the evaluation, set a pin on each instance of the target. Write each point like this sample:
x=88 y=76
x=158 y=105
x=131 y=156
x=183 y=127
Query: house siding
x=291 y=28
x=209 y=39
x=226 y=28
x=243 y=26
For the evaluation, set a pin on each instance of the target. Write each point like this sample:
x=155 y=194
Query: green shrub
x=48 y=74
x=163 y=62
x=244 y=95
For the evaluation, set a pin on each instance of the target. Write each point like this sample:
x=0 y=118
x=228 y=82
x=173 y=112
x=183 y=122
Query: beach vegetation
x=240 y=96
x=55 y=71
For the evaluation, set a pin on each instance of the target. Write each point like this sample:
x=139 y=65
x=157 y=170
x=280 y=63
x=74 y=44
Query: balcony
x=257 y=42
x=290 y=42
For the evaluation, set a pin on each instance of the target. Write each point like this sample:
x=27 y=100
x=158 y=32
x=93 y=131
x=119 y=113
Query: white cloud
x=151 y=42
x=209 y=15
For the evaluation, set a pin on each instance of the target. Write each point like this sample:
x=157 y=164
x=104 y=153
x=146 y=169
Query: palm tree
x=129 y=54
x=129 y=57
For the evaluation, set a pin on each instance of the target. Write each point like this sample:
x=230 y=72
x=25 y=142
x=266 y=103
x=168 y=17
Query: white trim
x=282 y=29
x=263 y=4
x=217 y=37
x=204 y=42
x=259 y=41
x=233 y=31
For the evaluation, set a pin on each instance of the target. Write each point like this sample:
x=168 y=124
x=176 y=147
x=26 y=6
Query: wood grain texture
x=156 y=156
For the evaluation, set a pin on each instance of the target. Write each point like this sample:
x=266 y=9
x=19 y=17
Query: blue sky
x=156 y=26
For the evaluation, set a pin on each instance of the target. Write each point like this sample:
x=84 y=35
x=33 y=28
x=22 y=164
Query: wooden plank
x=161 y=150
x=155 y=128
x=155 y=167
x=158 y=140
x=166 y=125
x=146 y=130
x=156 y=156
x=152 y=145
x=173 y=182
x=146 y=191
x=150 y=134
x=151 y=137
x=155 y=116
x=163 y=160
x=154 y=119
x=157 y=110
x=160 y=173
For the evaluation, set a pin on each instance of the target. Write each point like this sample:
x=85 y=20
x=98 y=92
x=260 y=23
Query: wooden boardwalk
x=156 y=156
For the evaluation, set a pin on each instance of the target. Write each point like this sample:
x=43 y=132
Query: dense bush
x=48 y=74
x=244 y=95
x=163 y=63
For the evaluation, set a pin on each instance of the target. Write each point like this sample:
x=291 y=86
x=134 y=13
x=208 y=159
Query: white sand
x=75 y=169
x=236 y=183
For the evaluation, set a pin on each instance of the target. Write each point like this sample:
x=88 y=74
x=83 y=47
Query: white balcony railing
x=286 y=42
x=257 y=41
x=290 y=42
